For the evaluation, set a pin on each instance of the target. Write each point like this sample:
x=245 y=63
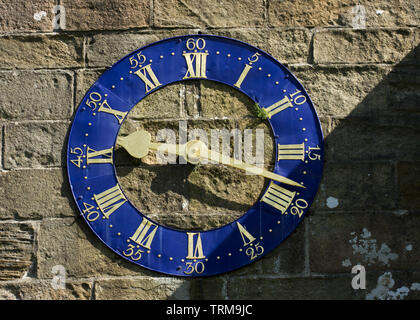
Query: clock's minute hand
x=139 y=143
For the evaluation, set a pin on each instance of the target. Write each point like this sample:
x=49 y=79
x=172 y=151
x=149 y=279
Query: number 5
x=255 y=57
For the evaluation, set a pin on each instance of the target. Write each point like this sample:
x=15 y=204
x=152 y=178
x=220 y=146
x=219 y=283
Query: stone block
x=408 y=185
x=215 y=188
x=72 y=244
x=35 y=144
x=218 y=101
x=207 y=289
x=194 y=220
x=26 y=16
x=35 y=194
x=353 y=13
x=373 y=138
x=346 y=90
x=352 y=186
x=208 y=14
x=85 y=78
x=142 y=289
x=46 y=290
x=154 y=189
x=337 y=242
x=103 y=15
x=296 y=288
x=287 y=45
x=165 y=103
x=366 y=46
x=39 y=95
x=17 y=242
x=103 y=50
x=41 y=51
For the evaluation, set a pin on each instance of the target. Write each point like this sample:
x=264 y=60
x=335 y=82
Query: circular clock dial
x=195 y=196
x=290 y=185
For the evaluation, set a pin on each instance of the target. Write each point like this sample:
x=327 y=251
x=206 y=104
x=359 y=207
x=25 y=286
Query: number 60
x=192 y=44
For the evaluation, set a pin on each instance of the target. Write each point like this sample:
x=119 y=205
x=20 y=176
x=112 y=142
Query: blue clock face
x=291 y=187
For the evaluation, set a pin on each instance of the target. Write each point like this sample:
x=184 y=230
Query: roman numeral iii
x=291 y=151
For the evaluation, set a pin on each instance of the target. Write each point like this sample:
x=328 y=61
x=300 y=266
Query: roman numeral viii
x=278 y=197
x=110 y=200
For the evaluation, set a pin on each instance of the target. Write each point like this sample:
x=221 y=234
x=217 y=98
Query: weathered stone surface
x=105 y=15
x=366 y=46
x=207 y=289
x=290 y=45
x=85 y=78
x=6 y=295
x=142 y=289
x=313 y=288
x=215 y=188
x=23 y=16
x=392 y=285
x=73 y=245
x=35 y=95
x=1 y=147
x=44 y=290
x=35 y=144
x=164 y=103
x=16 y=250
x=289 y=256
x=345 y=90
x=177 y=13
x=345 y=13
x=34 y=194
x=40 y=51
x=374 y=138
x=350 y=186
x=269 y=144
x=103 y=50
x=194 y=220
x=408 y=185
x=218 y=101
x=373 y=239
x=154 y=189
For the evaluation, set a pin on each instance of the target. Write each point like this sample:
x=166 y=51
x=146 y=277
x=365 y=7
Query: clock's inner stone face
x=201 y=196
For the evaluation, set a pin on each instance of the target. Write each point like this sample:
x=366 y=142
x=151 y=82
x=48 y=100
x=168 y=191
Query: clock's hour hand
x=139 y=143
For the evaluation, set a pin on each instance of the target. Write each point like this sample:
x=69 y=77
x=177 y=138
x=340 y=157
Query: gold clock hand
x=208 y=154
x=139 y=143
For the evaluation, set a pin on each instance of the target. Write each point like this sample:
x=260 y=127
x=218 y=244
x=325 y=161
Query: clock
x=291 y=185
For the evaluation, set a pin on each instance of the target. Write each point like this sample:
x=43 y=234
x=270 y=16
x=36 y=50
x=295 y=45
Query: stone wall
x=359 y=62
